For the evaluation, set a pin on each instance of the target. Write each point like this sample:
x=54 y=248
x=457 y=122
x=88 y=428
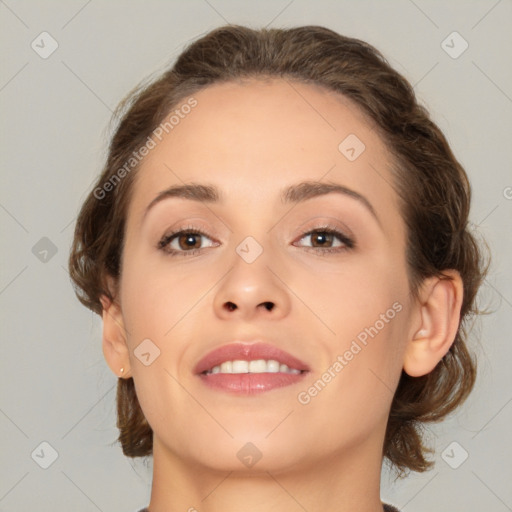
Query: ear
x=115 y=348
x=439 y=307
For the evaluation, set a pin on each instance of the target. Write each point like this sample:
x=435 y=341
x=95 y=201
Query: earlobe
x=440 y=304
x=114 y=344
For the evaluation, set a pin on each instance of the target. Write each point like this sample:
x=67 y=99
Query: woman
x=278 y=246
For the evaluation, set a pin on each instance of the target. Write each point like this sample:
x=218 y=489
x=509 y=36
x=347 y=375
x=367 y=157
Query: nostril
x=231 y=306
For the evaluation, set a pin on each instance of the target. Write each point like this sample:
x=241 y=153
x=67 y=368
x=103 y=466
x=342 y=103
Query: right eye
x=185 y=242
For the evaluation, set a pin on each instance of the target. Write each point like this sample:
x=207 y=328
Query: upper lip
x=247 y=352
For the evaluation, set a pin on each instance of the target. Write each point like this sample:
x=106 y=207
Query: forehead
x=254 y=139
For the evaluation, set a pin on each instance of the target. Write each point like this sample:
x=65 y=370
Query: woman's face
x=293 y=250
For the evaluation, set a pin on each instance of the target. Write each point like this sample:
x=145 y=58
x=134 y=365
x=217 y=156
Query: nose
x=252 y=291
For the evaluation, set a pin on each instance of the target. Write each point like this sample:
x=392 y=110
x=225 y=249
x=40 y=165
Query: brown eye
x=189 y=241
x=185 y=242
x=321 y=239
x=326 y=239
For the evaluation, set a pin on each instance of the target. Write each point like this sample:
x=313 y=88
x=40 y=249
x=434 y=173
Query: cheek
x=353 y=294
x=155 y=299
x=366 y=308
x=359 y=372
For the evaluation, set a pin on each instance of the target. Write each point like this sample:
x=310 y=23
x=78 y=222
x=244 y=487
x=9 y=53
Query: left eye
x=326 y=239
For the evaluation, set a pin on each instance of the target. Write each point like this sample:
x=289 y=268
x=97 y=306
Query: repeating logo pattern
x=48 y=54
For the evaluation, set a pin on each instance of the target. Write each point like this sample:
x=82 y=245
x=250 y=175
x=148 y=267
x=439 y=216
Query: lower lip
x=250 y=383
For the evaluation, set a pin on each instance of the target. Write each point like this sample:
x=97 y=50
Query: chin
x=245 y=454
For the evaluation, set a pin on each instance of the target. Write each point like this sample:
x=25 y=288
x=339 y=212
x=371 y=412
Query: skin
x=251 y=140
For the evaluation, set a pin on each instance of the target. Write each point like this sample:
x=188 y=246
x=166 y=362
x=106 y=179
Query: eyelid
x=193 y=224
x=326 y=223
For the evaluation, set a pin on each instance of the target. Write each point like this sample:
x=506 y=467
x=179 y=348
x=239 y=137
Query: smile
x=249 y=368
x=254 y=366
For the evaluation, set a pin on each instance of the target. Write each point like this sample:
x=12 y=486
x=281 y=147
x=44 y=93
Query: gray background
x=55 y=384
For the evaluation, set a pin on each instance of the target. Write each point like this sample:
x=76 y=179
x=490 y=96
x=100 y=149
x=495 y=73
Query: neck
x=343 y=483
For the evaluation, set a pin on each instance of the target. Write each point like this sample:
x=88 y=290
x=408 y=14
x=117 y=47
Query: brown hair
x=432 y=186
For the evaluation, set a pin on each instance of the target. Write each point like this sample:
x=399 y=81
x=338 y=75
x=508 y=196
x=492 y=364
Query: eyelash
x=348 y=243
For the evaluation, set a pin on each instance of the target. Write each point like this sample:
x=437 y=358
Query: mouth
x=242 y=368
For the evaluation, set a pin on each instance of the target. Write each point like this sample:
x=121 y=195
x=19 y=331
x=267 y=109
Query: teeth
x=226 y=367
x=256 y=366
x=240 y=366
x=272 y=366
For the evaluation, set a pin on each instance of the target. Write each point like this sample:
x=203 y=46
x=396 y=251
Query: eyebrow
x=310 y=189
x=192 y=191
x=293 y=194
